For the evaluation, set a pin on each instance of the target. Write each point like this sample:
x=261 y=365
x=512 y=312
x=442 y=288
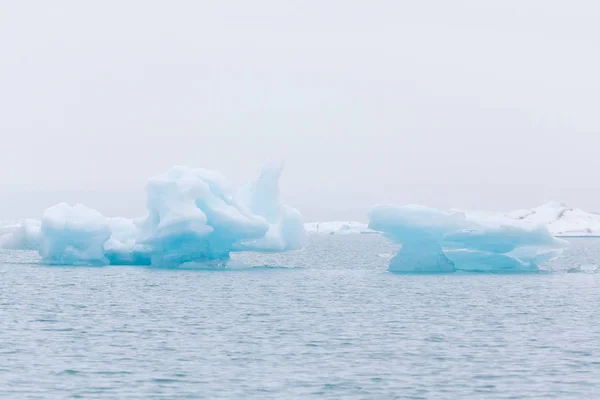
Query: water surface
x=326 y=322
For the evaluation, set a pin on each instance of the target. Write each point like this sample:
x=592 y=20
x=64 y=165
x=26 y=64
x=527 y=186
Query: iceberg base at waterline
x=421 y=258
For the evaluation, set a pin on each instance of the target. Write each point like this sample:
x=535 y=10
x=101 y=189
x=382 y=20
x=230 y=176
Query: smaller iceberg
x=23 y=236
x=420 y=230
x=73 y=235
x=435 y=241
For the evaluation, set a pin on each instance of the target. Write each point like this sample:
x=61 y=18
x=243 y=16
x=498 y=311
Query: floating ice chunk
x=478 y=242
x=286 y=229
x=25 y=236
x=194 y=218
x=73 y=235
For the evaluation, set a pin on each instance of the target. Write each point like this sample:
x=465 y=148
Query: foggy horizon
x=464 y=105
x=131 y=202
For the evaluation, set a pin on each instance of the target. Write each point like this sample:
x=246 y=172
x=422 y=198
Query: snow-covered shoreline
x=337 y=228
x=561 y=220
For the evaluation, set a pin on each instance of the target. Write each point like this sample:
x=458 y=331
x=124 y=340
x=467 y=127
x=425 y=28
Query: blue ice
x=435 y=241
x=193 y=216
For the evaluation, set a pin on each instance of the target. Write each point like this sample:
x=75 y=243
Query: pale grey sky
x=470 y=104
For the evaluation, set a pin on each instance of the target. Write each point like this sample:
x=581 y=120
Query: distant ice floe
x=338 y=228
x=435 y=241
x=193 y=217
x=560 y=219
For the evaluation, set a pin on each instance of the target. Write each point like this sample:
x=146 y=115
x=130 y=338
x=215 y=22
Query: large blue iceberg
x=193 y=217
x=435 y=241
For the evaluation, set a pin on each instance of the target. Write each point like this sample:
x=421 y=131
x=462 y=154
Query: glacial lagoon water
x=327 y=322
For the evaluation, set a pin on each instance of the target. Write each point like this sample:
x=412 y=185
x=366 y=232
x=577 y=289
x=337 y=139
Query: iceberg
x=420 y=230
x=435 y=241
x=22 y=236
x=193 y=217
x=286 y=230
x=73 y=235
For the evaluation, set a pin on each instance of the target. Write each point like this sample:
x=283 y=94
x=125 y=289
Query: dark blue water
x=327 y=322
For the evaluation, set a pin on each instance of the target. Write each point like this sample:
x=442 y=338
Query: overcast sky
x=469 y=104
